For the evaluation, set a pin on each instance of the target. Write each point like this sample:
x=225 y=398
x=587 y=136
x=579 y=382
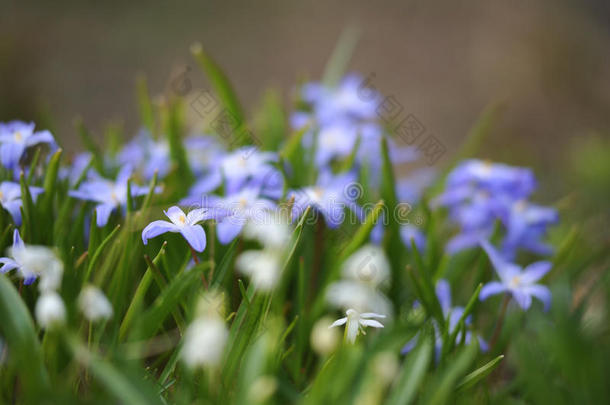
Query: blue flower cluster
x=478 y=194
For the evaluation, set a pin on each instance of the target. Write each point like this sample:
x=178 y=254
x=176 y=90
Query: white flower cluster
x=359 y=292
x=206 y=337
x=264 y=266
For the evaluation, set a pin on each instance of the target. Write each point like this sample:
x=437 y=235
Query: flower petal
x=103 y=212
x=157 y=228
x=371 y=322
x=174 y=214
x=490 y=289
x=228 y=229
x=535 y=271
x=541 y=292
x=338 y=322
x=195 y=236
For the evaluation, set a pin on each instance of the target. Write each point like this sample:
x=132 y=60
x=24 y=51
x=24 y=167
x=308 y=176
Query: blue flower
x=9 y=264
x=74 y=172
x=453 y=315
x=109 y=195
x=185 y=224
x=520 y=283
x=329 y=196
x=526 y=224
x=16 y=137
x=10 y=198
x=202 y=152
x=495 y=178
x=243 y=167
x=146 y=155
x=347 y=99
x=410 y=233
x=233 y=211
x=479 y=193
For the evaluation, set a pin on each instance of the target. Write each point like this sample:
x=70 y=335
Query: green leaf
x=448 y=345
x=220 y=83
x=18 y=329
x=168 y=301
x=145 y=106
x=138 y=297
x=182 y=175
x=28 y=212
x=339 y=59
x=128 y=389
x=50 y=180
x=444 y=387
x=363 y=233
x=97 y=160
x=479 y=374
x=412 y=374
x=98 y=252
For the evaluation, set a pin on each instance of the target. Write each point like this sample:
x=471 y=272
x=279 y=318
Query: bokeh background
x=546 y=62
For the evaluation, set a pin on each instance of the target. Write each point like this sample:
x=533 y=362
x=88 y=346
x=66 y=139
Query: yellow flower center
x=18 y=136
x=515 y=281
x=182 y=219
x=243 y=202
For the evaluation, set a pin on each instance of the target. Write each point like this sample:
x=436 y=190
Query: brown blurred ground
x=444 y=62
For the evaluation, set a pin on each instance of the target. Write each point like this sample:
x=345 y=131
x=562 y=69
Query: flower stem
x=196 y=260
x=499 y=323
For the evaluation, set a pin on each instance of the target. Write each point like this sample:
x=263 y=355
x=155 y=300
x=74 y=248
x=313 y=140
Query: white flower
x=269 y=229
x=204 y=342
x=262 y=389
x=262 y=266
x=368 y=265
x=33 y=262
x=50 y=310
x=94 y=304
x=324 y=340
x=355 y=323
x=362 y=297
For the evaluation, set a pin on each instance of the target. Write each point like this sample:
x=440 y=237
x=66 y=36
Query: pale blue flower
x=10 y=198
x=329 y=196
x=233 y=211
x=243 y=167
x=146 y=155
x=110 y=195
x=519 y=282
x=185 y=224
x=16 y=137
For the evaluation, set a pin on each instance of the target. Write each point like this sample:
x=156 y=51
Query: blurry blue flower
x=494 y=178
x=74 y=172
x=411 y=188
x=16 y=137
x=453 y=315
x=243 y=167
x=233 y=211
x=348 y=99
x=146 y=155
x=32 y=262
x=109 y=195
x=526 y=224
x=479 y=193
x=329 y=196
x=185 y=224
x=10 y=198
x=408 y=233
x=9 y=264
x=202 y=152
x=520 y=283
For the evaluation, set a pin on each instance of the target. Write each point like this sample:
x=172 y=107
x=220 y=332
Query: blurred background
x=546 y=62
